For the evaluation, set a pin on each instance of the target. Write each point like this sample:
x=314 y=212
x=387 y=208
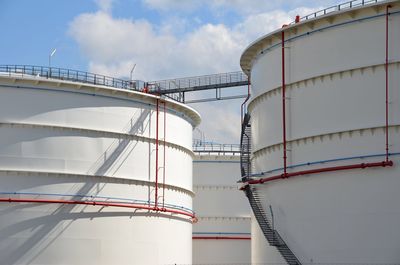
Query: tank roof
x=252 y=50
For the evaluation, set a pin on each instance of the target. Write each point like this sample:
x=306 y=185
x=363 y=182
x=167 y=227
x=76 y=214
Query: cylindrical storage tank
x=222 y=232
x=78 y=177
x=338 y=201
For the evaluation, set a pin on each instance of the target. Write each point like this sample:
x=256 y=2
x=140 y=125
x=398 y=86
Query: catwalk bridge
x=226 y=85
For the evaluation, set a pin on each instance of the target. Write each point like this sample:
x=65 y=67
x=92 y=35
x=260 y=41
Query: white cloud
x=114 y=45
x=104 y=5
x=255 y=26
x=166 y=5
x=111 y=44
x=221 y=120
x=243 y=7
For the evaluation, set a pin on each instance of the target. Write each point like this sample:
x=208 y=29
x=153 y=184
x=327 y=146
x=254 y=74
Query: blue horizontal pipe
x=95 y=197
x=220 y=233
x=322 y=162
x=214 y=161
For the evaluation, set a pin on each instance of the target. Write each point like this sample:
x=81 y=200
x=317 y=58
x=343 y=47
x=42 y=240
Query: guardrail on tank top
x=70 y=75
x=339 y=7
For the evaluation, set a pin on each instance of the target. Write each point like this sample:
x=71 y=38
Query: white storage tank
x=78 y=165
x=222 y=232
x=325 y=121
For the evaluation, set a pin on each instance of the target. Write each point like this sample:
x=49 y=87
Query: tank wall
x=261 y=251
x=326 y=51
x=60 y=143
x=222 y=211
x=335 y=116
x=222 y=251
x=325 y=108
x=48 y=234
x=86 y=144
x=339 y=217
x=41 y=104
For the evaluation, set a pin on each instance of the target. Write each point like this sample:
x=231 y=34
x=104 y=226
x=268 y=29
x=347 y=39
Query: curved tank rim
x=252 y=50
x=108 y=91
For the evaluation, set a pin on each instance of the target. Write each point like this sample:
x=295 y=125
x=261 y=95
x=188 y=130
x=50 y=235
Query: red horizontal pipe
x=221 y=237
x=97 y=203
x=321 y=170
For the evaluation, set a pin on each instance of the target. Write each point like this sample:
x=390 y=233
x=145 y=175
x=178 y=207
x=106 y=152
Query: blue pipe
x=220 y=233
x=322 y=162
x=95 y=197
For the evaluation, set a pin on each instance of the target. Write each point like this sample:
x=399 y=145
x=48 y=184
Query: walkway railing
x=339 y=7
x=204 y=82
x=173 y=88
x=202 y=147
x=69 y=75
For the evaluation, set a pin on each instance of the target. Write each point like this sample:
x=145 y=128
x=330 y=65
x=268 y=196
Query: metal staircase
x=245 y=147
x=272 y=235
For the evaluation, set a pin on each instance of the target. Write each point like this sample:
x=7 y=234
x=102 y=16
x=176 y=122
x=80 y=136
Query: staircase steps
x=272 y=235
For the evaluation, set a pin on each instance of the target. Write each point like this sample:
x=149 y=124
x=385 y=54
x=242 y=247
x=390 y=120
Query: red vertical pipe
x=283 y=104
x=387 y=82
x=164 y=144
x=156 y=181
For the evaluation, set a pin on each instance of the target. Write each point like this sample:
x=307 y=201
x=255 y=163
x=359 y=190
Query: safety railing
x=339 y=7
x=202 y=147
x=174 y=89
x=69 y=75
x=205 y=81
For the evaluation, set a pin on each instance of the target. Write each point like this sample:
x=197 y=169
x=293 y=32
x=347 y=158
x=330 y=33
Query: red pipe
x=156 y=181
x=164 y=142
x=284 y=104
x=387 y=81
x=97 y=203
x=320 y=170
x=221 y=237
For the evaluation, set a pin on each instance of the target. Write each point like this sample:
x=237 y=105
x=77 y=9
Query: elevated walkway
x=176 y=89
x=179 y=87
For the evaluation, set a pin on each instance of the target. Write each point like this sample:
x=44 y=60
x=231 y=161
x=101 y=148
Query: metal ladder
x=272 y=236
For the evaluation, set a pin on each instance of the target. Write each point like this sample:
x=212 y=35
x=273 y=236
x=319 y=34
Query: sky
x=164 y=38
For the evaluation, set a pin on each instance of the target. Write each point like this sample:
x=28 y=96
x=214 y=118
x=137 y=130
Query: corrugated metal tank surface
x=222 y=233
x=69 y=141
x=335 y=71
